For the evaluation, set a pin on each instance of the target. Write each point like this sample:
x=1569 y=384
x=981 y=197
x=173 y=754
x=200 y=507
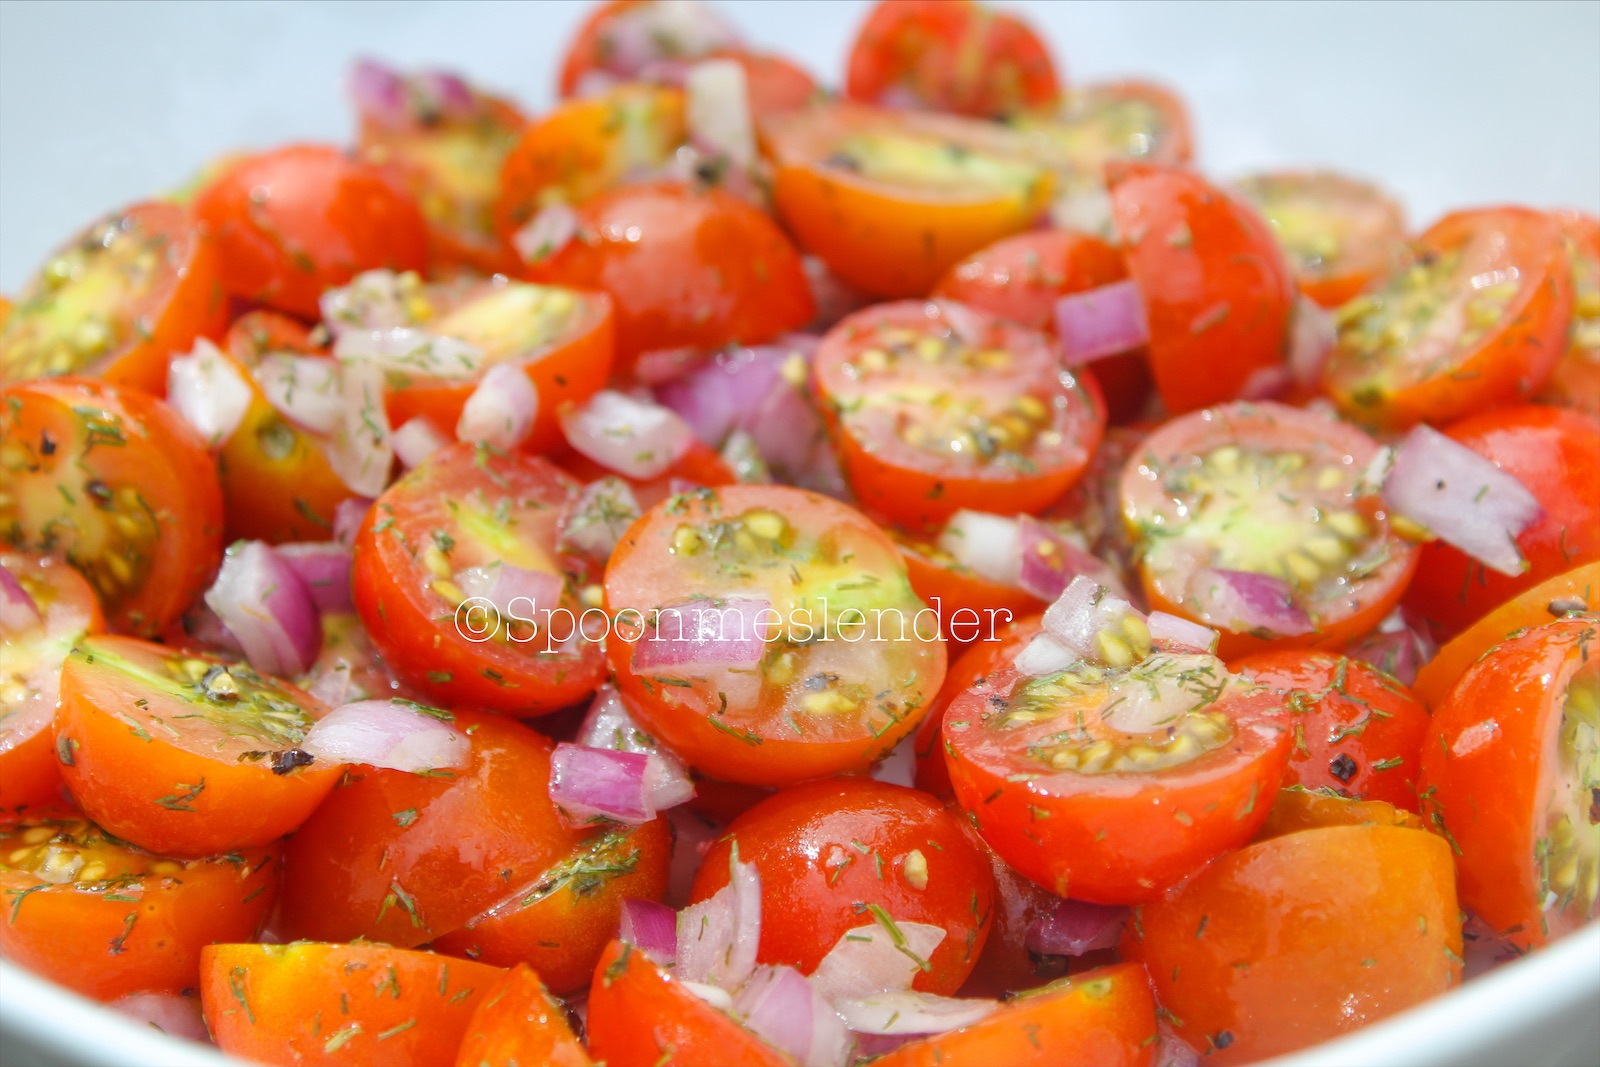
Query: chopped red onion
x=668 y=29
x=440 y=92
x=371 y=301
x=1396 y=647
x=871 y=1046
x=18 y=612
x=268 y=608
x=547 y=233
x=692 y=836
x=379 y=93
x=610 y=725
x=719 y=395
x=1101 y=322
x=1173 y=633
x=1050 y=561
x=506 y=586
x=303 y=389
x=781 y=1008
x=1082 y=610
x=415 y=441
x=1311 y=338
x=718 y=937
x=1076 y=927
x=907 y=1012
x=173 y=1014
x=501 y=410
x=717 y=111
x=899 y=767
x=398 y=735
x=652 y=928
x=881 y=957
x=1267 y=383
x=360 y=452
x=205 y=629
x=209 y=393
x=347 y=519
x=1462 y=498
x=732 y=633
x=1044 y=655
x=1172 y=1050
x=989 y=546
x=1246 y=602
x=590 y=782
x=325 y=568
x=634 y=438
x=599 y=517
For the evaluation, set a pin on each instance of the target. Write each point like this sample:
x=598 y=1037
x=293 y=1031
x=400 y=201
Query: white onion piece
x=18 y=612
x=652 y=928
x=1462 y=498
x=1311 y=337
x=876 y=958
x=715 y=996
x=547 y=233
x=1084 y=608
x=360 y=452
x=372 y=300
x=415 y=441
x=632 y=437
x=173 y=1014
x=1076 y=927
x=1173 y=632
x=1050 y=561
x=717 y=111
x=268 y=609
x=501 y=410
x=1247 y=602
x=347 y=519
x=1044 y=655
x=1087 y=209
x=989 y=546
x=599 y=517
x=717 y=938
x=907 y=1012
x=589 y=782
x=743 y=456
x=517 y=593
x=208 y=392
x=1101 y=322
x=781 y=1008
x=397 y=735
x=325 y=568
x=303 y=389
x=732 y=633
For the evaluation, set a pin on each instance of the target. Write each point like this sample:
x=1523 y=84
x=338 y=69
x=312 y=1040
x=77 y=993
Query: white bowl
x=1445 y=106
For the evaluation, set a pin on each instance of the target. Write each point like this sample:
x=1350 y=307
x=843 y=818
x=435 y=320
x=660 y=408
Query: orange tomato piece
x=518 y=1021
x=1576 y=380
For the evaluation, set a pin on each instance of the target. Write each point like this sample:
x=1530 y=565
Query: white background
x=1447 y=104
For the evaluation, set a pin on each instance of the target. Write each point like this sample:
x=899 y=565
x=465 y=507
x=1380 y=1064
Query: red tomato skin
x=1555 y=452
x=1218 y=291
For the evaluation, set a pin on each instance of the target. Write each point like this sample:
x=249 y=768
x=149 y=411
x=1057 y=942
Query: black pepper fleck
x=1343 y=767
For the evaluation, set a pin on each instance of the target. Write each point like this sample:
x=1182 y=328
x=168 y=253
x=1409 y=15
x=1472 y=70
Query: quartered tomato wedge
x=1479 y=319
x=1110 y=783
x=562 y=921
x=1341 y=234
x=117 y=302
x=936 y=407
x=1254 y=520
x=971 y=607
x=1218 y=292
x=1299 y=938
x=31 y=655
x=117 y=484
x=471 y=509
x=621 y=40
x=185 y=754
x=295 y=221
x=1104 y=1016
x=561 y=338
x=1576 y=380
x=639 y=1016
x=1556 y=455
x=404 y=858
x=339 y=1004
x=685 y=268
x=768 y=635
x=837 y=855
x=518 y=1021
x=1298 y=808
x=890 y=201
x=1511 y=776
x=583 y=148
x=1356 y=730
x=949 y=55
x=106 y=919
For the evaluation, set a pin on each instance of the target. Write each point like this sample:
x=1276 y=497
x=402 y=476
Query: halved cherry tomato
x=685 y=268
x=1341 y=234
x=1480 y=319
x=1298 y=808
x=845 y=668
x=974 y=664
x=1576 y=590
x=185 y=755
x=1576 y=380
x=841 y=854
x=936 y=407
x=117 y=302
x=451 y=164
x=890 y=201
x=1020 y=278
x=1105 y=1016
x=584 y=148
x=949 y=55
x=294 y=221
x=1218 y=292
x=1356 y=729
x=340 y=1004
x=1116 y=813
x=622 y=39
x=1265 y=490
x=30 y=676
x=1555 y=453
x=518 y=1021
x=1299 y=938
x=562 y=921
x=106 y=919
x=699 y=466
x=404 y=858
x=970 y=606
x=467 y=508
x=119 y=485
x=1110 y=122
x=641 y=1017
x=1511 y=776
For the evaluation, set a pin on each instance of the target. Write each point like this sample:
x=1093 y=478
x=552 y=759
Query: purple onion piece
x=652 y=928
x=1076 y=927
x=704 y=633
x=325 y=568
x=268 y=608
x=589 y=782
